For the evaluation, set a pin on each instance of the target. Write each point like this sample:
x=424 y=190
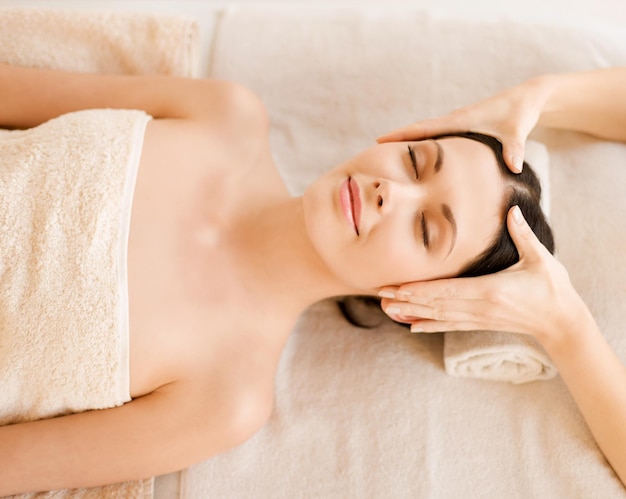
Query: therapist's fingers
x=425 y=129
x=425 y=292
x=449 y=315
x=513 y=148
x=528 y=246
x=431 y=326
x=440 y=309
x=513 y=151
x=433 y=319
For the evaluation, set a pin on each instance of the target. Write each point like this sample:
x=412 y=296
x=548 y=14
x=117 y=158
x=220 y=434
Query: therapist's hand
x=534 y=296
x=509 y=116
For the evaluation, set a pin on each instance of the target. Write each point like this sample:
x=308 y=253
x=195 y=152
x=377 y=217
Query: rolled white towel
x=496 y=356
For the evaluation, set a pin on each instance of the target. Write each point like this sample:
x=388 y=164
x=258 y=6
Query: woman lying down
x=154 y=263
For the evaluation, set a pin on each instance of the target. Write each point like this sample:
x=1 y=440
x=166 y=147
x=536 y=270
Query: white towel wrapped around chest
x=65 y=196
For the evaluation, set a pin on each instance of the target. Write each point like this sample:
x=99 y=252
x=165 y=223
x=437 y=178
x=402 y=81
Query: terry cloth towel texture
x=67 y=189
x=496 y=356
x=99 y=42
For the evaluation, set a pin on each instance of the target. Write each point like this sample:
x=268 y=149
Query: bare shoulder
x=239 y=106
x=227 y=408
x=228 y=110
x=242 y=127
x=234 y=127
x=243 y=403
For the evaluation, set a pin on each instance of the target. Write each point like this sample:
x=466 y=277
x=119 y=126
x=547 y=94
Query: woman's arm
x=534 y=297
x=591 y=101
x=164 y=431
x=29 y=96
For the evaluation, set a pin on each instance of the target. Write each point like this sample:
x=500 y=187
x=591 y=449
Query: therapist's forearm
x=596 y=378
x=592 y=102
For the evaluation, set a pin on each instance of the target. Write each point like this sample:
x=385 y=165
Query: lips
x=350 y=198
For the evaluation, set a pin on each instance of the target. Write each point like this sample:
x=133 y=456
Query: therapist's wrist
x=543 y=94
x=573 y=325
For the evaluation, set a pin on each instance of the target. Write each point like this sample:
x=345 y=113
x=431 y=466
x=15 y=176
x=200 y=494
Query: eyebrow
x=439 y=157
x=445 y=209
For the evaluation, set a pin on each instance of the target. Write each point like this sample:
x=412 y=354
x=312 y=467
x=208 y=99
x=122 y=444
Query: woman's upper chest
x=184 y=300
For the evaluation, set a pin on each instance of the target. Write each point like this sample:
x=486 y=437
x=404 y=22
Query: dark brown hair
x=521 y=189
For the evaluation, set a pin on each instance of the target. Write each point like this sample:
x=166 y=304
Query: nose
x=391 y=195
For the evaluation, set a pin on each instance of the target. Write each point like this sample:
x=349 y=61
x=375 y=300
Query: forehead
x=472 y=185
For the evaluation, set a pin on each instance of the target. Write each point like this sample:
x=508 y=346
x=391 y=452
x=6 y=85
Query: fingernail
x=404 y=293
x=386 y=294
x=392 y=310
x=415 y=329
x=517 y=215
x=518 y=163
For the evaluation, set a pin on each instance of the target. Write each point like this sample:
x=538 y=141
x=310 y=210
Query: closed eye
x=413 y=161
x=425 y=236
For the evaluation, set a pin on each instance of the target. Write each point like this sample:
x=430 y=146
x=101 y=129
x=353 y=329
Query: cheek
x=398 y=260
x=390 y=260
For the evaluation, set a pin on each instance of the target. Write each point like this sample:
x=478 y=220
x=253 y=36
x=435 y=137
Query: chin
x=317 y=224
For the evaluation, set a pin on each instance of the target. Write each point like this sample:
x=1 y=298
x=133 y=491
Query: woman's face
x=406 y=211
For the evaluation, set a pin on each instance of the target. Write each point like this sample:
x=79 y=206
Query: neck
x=279 y=260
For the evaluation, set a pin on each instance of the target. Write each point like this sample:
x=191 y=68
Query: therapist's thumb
x=513 y=152
x=528 y=245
